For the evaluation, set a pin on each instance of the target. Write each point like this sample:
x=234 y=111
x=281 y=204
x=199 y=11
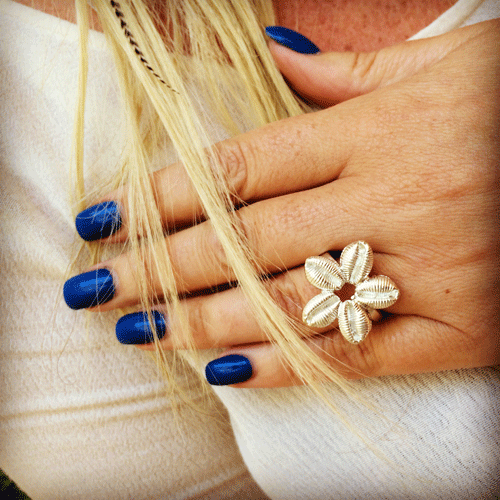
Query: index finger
x=291 y=155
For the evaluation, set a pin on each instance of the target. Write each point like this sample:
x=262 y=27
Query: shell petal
x=356 y=261
x=377 y=292
x=321 y=310
x=354 y=323
x=324 y=273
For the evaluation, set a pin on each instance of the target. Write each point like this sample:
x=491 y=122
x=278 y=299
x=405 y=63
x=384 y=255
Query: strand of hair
x=119 y=14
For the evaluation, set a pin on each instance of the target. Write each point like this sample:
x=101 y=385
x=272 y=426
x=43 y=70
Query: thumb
x=332 y=77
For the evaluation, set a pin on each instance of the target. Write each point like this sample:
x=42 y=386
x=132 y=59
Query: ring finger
x=223 y=319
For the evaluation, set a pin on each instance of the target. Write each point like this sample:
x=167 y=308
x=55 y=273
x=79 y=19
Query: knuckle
x=209 y=327
x=250 y=225
x=363 y=64
x=235 y=157
x=289 y=295
x=199 y=325
x=210 y=251
x=213 y=256
x=195 y=326
x=354 y=361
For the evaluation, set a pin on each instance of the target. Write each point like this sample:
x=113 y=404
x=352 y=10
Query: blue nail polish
x=98 y=221
x=228 y=370
x=89 y=289
x=135 y=328
x=291 y=39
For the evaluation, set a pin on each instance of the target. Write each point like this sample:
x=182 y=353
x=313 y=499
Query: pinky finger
x=398 y=345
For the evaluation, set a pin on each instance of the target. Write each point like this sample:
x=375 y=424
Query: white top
x=83 y=417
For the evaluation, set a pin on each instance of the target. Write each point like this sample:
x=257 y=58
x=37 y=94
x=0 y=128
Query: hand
x=406 y=160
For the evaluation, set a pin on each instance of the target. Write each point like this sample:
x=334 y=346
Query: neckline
x=452 y=18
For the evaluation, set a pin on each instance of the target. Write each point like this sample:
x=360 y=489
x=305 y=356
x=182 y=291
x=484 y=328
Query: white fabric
x=463 y=13
x=430 y=436
x=83 y=417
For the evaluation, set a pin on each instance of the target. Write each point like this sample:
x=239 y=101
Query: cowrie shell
x=378 y=292
x=354 y=322
x=356 y=262
x=324 y=273
x=321 y=310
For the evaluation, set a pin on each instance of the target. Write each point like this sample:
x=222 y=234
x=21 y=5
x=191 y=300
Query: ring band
x=355 y=315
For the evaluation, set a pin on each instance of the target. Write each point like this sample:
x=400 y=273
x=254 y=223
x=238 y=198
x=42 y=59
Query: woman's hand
x=406 y=160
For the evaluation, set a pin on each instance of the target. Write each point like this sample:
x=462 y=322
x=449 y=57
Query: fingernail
x=228 y=370
x=135 y=328
x=98 y=221
x=291 y=39
x=89 y=289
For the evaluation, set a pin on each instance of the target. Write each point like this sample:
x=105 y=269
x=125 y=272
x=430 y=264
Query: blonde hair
x=163 y=50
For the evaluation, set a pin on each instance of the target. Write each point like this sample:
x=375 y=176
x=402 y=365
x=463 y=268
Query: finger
x=333 y=77
x=399 y=345
x=226 y=319
x=287 y=156
x=223 y=319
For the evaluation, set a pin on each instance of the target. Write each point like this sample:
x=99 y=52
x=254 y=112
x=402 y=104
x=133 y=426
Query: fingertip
x=291 y=39
x=89 y=289
x=315 y=77
x=136 y=328
x=99 y=221
x=228 y=370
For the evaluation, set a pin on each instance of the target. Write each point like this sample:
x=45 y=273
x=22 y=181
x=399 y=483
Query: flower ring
x=354 y=315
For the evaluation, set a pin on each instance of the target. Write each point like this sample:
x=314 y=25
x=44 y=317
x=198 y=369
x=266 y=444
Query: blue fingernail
x=98 y=221
x=135 y=328
x=291 y=39
x=89 y=289
x=228 y=370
